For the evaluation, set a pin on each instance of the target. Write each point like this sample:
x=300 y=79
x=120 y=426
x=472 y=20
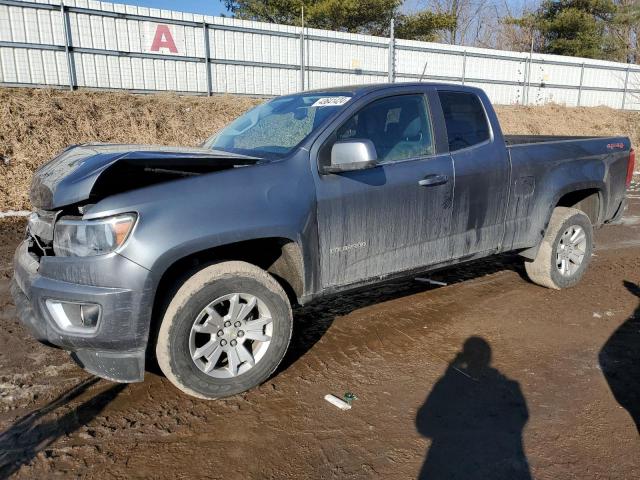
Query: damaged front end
x=90 y=172
x=82 y=175
x=96 y=307
x=71 y=286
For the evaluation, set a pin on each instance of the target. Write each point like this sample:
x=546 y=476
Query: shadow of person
x=474 y=417
x=620 y=361
x=21 y=442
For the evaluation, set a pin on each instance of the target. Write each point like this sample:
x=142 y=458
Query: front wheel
x=565 y=250
x=225 y=330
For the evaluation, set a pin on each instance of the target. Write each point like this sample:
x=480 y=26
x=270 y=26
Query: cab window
x=464 y=118
x=399 y=127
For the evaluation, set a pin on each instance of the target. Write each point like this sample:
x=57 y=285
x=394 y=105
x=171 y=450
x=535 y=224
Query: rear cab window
x=465 y=119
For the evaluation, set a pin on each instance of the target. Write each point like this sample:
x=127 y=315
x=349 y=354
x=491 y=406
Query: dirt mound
x=559 y=120
x=36 y=124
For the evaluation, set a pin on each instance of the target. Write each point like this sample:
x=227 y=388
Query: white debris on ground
x=338 y=402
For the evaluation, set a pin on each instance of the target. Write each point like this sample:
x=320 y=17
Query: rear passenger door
x=481 y=169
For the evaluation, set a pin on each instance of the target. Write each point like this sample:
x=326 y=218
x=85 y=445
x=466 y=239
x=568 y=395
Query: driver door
x=395 y=216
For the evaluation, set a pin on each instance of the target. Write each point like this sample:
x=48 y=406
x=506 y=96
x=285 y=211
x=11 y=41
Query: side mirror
x=352 y=154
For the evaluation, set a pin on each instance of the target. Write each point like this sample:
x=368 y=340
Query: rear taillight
x=630 y=166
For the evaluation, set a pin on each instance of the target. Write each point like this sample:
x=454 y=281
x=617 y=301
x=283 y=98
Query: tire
x=207 y=299
x=547 y=268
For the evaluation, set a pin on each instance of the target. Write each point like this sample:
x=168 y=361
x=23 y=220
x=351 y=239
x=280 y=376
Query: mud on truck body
x=195 y=255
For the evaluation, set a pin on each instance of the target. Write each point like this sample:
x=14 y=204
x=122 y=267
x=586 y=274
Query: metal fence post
x=524 y=81
x=580 y=86
x=464 y=66
x=529 y=71
x=307 y=56
x=392 y=53
x=626 y=82
x=71 y=66
x=207 y=63
x=302 y=52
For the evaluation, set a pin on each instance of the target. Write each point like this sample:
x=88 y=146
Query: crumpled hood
x=73 y=175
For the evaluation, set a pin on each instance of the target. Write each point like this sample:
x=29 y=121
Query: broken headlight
x=84 y=238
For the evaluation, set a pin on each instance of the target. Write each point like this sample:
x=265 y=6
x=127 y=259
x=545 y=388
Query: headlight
x=84 y=238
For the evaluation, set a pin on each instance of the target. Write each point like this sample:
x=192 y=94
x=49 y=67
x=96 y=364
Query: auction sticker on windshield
x=331 y=101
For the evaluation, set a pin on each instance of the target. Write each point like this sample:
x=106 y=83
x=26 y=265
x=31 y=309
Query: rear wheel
x=565 y=250
x=225 y=331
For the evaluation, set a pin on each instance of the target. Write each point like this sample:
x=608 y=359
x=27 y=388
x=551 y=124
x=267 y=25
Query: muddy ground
x=451 y=380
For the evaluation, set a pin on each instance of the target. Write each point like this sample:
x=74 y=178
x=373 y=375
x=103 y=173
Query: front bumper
x=116 y=349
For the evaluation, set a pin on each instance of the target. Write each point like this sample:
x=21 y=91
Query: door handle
x=433 y=180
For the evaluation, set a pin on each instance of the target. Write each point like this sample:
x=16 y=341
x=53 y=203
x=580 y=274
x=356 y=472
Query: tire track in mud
x=157 y=420
x=389 y=345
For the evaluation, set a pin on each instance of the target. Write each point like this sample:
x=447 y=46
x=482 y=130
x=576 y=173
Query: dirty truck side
x=195 y=255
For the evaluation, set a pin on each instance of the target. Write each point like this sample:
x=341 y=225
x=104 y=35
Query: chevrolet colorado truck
x=195 y=255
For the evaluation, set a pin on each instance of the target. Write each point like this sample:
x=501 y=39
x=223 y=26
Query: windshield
x=274 y=129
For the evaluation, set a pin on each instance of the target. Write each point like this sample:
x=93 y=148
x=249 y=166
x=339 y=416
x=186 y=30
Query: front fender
x=189 y=215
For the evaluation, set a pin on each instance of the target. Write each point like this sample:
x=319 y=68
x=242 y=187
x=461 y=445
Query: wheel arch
x=588 y=200
x=587 y=197
x=281 y=257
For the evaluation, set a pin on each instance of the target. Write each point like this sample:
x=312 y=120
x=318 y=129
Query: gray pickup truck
x=195 y=255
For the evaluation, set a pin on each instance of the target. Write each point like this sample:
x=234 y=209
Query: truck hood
x=92 y=171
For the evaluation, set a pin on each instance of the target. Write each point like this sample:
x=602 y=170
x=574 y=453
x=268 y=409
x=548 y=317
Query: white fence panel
x=255 y=80
x=592 y=98
x=438 y=64
x=115 y=46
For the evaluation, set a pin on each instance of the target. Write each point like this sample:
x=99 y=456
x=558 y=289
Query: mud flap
x=617 y=217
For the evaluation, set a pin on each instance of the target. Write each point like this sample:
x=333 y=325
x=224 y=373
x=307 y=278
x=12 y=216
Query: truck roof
x=372 y=87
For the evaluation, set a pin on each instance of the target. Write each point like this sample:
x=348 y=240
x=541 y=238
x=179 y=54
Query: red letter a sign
x=163 y=39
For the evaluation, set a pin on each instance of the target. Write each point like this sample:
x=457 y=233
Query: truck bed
x=546 y=163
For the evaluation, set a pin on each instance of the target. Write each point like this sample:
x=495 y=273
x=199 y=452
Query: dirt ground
x=450 y=381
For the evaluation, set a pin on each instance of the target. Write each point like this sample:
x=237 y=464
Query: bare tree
x=626 y=29
x=516 y=31
x=467 y=13
x=485 y=29
x=485 y=23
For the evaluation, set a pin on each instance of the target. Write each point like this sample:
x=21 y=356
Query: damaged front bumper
x=115 y=347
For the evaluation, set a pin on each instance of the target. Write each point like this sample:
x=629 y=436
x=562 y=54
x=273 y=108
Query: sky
x=204 y=7
x=208 y=7
x=216 y=7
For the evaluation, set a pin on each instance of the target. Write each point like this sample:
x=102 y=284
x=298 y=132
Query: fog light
x=74 y=316
x=89 y=313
